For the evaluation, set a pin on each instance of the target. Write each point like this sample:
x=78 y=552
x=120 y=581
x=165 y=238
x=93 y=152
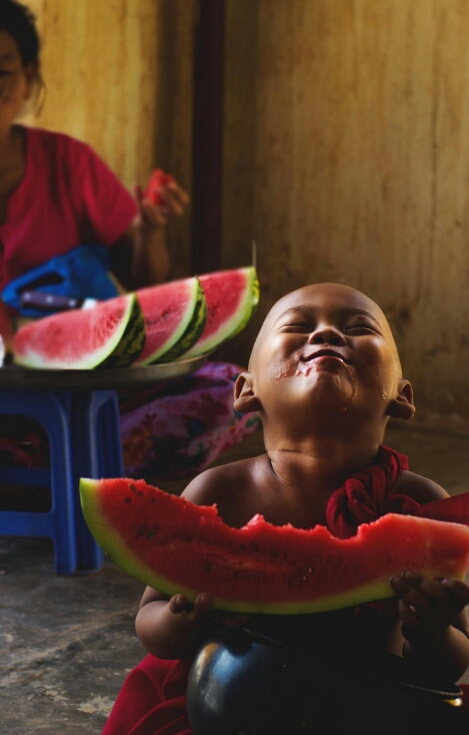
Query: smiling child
x=324 y=377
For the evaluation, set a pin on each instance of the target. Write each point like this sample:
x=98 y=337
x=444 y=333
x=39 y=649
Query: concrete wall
x=347 y=159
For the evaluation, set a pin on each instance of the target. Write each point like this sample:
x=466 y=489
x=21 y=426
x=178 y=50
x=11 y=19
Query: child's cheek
x=375 y=369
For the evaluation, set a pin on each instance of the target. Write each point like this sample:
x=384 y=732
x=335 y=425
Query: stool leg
x=97 y=453
x=59 y=524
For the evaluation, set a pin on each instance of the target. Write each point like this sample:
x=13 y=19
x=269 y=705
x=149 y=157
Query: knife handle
x=48 y=301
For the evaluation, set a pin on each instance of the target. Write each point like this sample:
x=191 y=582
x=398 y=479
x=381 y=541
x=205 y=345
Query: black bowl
x=242 y=683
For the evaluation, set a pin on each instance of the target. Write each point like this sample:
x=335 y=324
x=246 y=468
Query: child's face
x=325 y=347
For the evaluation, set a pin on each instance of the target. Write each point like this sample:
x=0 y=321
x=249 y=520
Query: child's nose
x=326 y=335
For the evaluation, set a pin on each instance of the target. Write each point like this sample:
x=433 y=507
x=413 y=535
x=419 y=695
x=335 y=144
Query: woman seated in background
x=57 y=194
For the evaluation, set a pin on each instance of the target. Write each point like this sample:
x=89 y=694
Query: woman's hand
x=150 y=261
x=171 y=202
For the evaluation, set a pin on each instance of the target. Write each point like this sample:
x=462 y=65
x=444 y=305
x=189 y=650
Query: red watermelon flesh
x=232 y=297
x=157 y=181
x=174 y=315
x=111 y=333
x=175 y=546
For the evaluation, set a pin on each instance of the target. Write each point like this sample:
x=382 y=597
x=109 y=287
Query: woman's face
x=16 y=81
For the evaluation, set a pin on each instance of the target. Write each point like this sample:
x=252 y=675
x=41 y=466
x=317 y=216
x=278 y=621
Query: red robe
x=152 y=700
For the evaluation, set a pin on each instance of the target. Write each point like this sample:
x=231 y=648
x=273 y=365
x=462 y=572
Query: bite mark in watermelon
x=175 y=315
x=157 y=181
x=232 y=298
x=111 y=334
x=178 y=547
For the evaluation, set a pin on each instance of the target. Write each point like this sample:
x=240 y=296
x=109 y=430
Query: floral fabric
x=173 y=430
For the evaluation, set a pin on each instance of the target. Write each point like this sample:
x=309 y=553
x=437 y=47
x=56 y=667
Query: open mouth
x=326 y=353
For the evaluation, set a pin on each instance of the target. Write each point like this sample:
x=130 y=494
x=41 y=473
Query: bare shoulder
x=233 y=488
x=419 y=488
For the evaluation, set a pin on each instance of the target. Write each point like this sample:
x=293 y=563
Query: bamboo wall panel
x=119 y=76
x=347 y=148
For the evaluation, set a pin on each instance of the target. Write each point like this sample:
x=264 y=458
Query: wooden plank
x=207 y=136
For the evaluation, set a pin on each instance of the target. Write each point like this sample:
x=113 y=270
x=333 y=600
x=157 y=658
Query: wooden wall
x=119 y=76
x=347 y=160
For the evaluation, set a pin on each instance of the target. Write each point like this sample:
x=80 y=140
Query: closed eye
x=297 y=327
x=358 y=329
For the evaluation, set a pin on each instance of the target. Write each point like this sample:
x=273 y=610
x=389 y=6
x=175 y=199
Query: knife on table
x=54 y=302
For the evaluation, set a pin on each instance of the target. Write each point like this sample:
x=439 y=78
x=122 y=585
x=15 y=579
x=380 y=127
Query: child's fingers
x=200 y=608
x=408 y=613
x=458 y=589
x=426 y=603
x=179 y=604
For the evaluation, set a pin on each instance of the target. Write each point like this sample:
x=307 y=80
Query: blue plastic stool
x=85 y=441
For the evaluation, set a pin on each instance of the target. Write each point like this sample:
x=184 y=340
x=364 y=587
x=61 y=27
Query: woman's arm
x=140 y=257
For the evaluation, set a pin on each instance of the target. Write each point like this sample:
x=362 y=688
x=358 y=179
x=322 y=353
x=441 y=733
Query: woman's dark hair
x=18 y=20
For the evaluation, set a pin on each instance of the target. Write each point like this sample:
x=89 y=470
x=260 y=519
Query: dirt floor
x=67 y=642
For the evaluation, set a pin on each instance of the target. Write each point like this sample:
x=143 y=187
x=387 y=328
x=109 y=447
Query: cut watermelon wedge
x=175 y=315
x=178 y=547
x=232 y=298
x=110 y=334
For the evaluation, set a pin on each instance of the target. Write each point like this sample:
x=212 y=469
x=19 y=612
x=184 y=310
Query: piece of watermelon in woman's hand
x=155 y=187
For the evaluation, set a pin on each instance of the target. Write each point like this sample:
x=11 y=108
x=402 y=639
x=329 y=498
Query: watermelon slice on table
x=110 y=334
x=232 y=298
x=175 y=315
x=177 y=547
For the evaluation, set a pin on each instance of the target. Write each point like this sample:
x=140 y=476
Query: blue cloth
x=81 y=273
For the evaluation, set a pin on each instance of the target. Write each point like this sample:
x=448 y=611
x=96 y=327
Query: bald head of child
x=325 y=351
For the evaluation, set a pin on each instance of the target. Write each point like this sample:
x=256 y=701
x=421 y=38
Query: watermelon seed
x=142 y=530
x=132 y=487
x=127 y=500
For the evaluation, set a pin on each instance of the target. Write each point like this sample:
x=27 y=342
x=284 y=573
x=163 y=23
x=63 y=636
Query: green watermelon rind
x=188 y=332
x=238 y=319
x=111 y=353
x=114 y=546
x=132 y=340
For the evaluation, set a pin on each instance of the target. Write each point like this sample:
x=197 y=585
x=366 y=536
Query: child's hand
x=197 y=611
x=194 y=612
x=428 y=605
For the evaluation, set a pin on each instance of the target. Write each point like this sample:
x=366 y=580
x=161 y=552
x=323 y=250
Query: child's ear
x=244 y=399
x=402 y=407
